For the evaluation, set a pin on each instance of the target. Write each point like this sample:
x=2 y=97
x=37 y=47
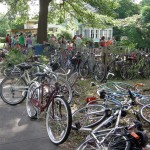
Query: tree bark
x=42 y=22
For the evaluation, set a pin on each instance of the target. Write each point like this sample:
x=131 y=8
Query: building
x=94 y=33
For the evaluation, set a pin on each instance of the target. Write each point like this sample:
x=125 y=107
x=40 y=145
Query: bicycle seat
x=24 y=66
x=40 y=74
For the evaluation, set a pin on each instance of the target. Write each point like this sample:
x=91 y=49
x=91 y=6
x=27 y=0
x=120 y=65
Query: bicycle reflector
x=90 y=99
x=133 y=134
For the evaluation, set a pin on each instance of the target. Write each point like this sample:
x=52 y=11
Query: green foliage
x=44 y=59
x=15 y=57
x=126 y=8
x=66 y=34
x=2 y=39
x=146 y=14
x=145 y=2
x=4 y=26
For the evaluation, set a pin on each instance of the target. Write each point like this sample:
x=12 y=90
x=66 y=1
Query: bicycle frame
x=39 y=103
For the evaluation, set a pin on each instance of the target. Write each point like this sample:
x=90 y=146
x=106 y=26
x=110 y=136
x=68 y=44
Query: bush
x=15 y=57
x=2 y=39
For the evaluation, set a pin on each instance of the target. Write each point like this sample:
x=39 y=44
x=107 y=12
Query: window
x=105 y=34
x=101 y=33
x=92 y=33
x=96 y=34
x=77 y=32
x=110 y=33
x=86 y=33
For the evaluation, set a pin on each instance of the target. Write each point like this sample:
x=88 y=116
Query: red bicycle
x=45 y=96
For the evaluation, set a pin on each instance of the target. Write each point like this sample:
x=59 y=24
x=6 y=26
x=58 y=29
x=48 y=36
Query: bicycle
x=13 y=88
x=117 y=137
x=92 y=66
x=45 y=96
x=145 y=113
x=141 y=67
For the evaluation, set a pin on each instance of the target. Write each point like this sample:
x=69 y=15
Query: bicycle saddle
x=24 y=66
x=40 y=74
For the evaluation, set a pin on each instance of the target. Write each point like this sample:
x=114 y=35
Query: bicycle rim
x=88 y=116
x=33 y=94
x=58 y=120
x=73 y=78
x=119 y=143
x=91 y=144
x=13 y=90
x=84 y=70
x=144 y=100
x=145 y=113
x=99 y=72
x=65 y=89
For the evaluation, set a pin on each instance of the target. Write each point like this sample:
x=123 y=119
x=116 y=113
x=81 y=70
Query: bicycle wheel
x=99 y=72
x=119 y=142
x=73 y=78
x=145 y=113
x=146 y=71
x=65 y=89
x=33 y=95
x=90 y=144
x=143 y=100
x=58 y=120
x=84 y=69
x=13 y=90
x=88 y=116
x=126 y=72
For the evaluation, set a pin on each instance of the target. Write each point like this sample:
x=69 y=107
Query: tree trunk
x=42 y=23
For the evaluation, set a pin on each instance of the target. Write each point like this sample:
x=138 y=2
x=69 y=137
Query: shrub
x=2 y=39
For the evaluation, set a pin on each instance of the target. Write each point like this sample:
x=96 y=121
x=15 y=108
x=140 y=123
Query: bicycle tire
x=65 y=89
x=33 y=93
x=89 y=144
x=12 y=100
x=84 y=69
x=99 y=72
x=146 y=71
x=143 y=100
x=54 y=124
x=88 y=116
x=73 y=78
x=146 y=116
x=119 y=142
x=126 y=73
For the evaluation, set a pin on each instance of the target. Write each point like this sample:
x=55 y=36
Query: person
x=7 y=41
x=102 y=41
x=29 y=41
x=70 y=46
x=114 y=42
x=62 y=42
x=21 y=40
x=78 y=42
x=109 y=42
x=13 y=41
x=34 y=38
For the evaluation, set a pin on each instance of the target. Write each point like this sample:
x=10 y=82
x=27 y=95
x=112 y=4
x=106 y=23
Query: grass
x=76 y=137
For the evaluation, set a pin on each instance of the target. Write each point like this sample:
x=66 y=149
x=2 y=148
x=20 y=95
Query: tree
x=145 y=2
x=76 y=9
x=42 y=23
x=146 y=14
x=4 y=25
x=126 y=8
